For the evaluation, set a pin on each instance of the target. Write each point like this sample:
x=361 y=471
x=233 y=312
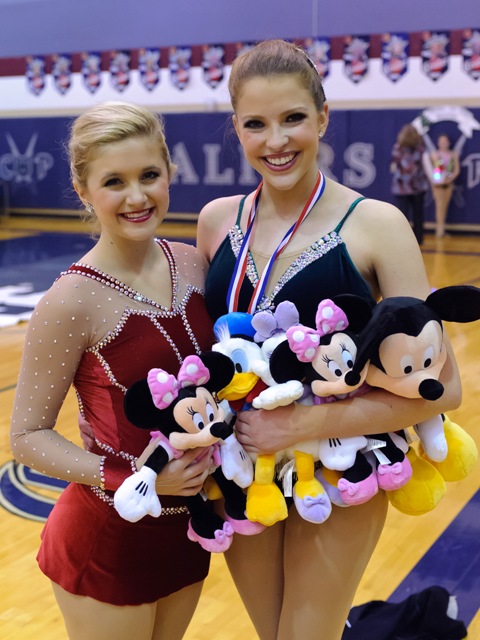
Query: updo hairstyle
x=108 y=123
x=275 y=58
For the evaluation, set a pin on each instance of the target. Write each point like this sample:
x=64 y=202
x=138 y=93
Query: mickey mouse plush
x=405 y=352
x=188 y=416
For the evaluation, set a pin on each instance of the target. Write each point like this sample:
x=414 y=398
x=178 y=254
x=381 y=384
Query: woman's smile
x=280 y=162
x=138 y=216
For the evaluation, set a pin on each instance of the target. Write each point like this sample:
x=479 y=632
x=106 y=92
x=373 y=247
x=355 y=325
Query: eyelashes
x=148 y=176
x=111 y=182
x=253 y=124
x=151 y=175
x=296 y=117
x=293 y=118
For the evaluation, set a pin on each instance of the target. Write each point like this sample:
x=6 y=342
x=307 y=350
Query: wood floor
x=27 y=607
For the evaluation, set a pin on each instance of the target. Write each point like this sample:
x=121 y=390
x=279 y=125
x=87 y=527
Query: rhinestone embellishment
x=315 y=251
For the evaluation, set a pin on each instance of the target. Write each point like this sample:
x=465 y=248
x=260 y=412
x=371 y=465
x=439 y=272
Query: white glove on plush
x=236 y=463
x=279 y=396
x=432 y=437
x=136 y=496
x=339 y=454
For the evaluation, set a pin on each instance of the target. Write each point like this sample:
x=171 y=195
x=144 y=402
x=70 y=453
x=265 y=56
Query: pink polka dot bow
x=164 y=386
x=304 y=341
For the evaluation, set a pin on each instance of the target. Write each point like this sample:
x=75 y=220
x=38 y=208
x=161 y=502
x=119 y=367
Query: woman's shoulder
x=77 y=278
x=382 y=245
x=379 y=212
x=360 y=208
x=372 y=219
x=384 y=228
x=214 y=222
x=185 y=250
x=69 y=297
x=190 y=263
x=221 y=207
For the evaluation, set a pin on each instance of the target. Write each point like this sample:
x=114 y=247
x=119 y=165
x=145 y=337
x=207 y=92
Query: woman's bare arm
x=214 y=221
x=387 y=252
x=375 y=412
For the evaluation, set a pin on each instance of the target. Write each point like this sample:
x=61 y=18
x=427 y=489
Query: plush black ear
x=460 y=303
x=139 y=407
x=221 y=368
x=386 y=319
x=357 y=310
x=284 y=364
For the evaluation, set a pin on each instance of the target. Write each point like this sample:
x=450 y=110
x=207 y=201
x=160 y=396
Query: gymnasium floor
x=31 y=256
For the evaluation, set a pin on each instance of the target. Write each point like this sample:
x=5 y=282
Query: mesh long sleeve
x=58 y=333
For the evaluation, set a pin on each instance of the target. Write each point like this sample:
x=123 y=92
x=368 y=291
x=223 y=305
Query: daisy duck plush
x=310 y=498
x=248 y=340
x=185 y=414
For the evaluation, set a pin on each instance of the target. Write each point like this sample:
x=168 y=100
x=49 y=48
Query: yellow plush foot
x=331 y=476
x=211 y=489
x=265 y=468
x=422 y=492
x=304 y=488
x=462 y=453
x=307 y=484
x=311 y=499
x=265 y=504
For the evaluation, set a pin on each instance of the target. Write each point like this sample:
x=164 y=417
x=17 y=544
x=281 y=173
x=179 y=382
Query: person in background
x=131 y=303
x=409 y=182
x=442 y=167
x=303 y=238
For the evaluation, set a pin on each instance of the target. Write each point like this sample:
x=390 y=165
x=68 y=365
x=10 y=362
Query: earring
x=89 y=208
x=320 y=135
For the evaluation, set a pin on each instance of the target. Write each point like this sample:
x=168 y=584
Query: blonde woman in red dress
x=132 y=302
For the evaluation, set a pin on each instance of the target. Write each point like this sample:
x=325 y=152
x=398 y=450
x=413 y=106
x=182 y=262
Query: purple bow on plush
x=268 y=323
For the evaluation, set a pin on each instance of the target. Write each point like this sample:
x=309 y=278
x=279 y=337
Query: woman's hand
x=185 y=476
x=262 y=431
x=86 y=433
x=137 y=496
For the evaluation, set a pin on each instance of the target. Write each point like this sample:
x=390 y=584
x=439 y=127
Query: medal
x=241 y=262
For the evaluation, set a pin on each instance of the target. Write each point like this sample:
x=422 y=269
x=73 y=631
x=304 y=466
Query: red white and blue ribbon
x=241 y=263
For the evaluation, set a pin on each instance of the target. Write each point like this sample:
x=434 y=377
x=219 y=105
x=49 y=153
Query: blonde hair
x=275 y=58
x=107 y=123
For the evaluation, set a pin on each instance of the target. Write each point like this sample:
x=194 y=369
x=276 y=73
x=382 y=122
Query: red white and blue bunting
x=355 y=57
x=179 y=65
x=149 y=67
x=120 y=69
x=35 y=74
x=319 y=51
x=435 y=53
x=213 y=64
x=62 y=72
x=91 y=70
x=395 y=52
x=471 y=52
x=355 y=52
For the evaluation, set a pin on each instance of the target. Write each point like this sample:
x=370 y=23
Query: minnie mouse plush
x=322 y=357
x=187 y=416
